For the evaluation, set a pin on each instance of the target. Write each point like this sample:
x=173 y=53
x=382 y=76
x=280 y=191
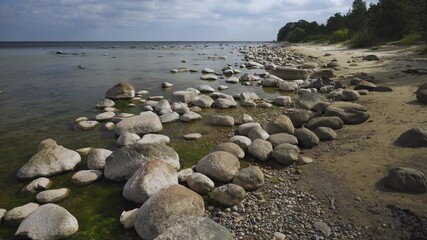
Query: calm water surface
x=43 y=92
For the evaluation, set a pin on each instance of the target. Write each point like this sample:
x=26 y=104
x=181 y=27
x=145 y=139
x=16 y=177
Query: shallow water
x=43 y=92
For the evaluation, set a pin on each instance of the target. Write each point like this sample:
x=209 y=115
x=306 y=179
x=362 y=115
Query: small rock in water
x=127 y=139
x=86 y=177
x=77 y=120
x=110 y=126
x=154 y=139
x=166 y=85
x=96 y=159
x=21 y=212
x=156 y=98
x=53 y=195
x=87 y=125
x=192 y=136
x=37 y=185
x=222 y=87
x=84 y=151
x=127 y=218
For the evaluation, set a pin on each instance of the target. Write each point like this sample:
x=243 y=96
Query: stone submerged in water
x=121 y=91
x=87 y=125
x=148 y=180
x=125 y=161
x=415 y=137
x=146 y=122
x=48 y=222
x=37 y=185
x=407 y=180
x=51 y=159
x=220 y=166
x=166 y=207
x=192 y=228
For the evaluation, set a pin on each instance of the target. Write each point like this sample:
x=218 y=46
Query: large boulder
x=279 y=138
x=220 y=166
x=166 y=207
x=308 y=100
x=250 y=178
x=48 y=222
x=96 y=158
x=299 y=116
x=146 y=122
x=200 y=183
x=148 y=180
x=124 y=162
x=286 y=153
x=290 y=73
x=51 y=159
x=260 y=149
x=422 y=94
x=194 y=228
x=228 y=195
x=21 y=212
x=280 y=124
x=350 y=113
x=407 y=180
x=415 y=137
x=231 y=148
x=121 y=91
x=330 y=122
x=183 y=96
x=306 y=138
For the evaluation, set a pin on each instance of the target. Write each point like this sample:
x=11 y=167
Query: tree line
x=386 y=20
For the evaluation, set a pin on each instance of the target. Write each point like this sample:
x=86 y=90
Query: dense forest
x=363 y=25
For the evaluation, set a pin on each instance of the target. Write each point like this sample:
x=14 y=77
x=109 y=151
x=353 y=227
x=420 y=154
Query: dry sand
x=350 y=170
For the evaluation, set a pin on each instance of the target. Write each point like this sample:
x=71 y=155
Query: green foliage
x=385 y=20
x=411 y=39
x=340 y=35
x=363 y=39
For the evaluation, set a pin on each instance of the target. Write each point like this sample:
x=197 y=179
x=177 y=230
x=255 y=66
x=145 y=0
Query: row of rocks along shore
x=217 y=198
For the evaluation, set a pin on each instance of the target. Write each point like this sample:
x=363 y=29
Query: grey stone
x=306 y=138
x=184 y=174
x=127 y=218
x=204 y=101
x=242 y=141
x=169 y=117
x=193 y=228
x=164 y=208
x=243 y=118
x=421 y=94
x=286 y=153
x=20 y=213
x=407 y=180
x=87 y=125
x=258 y=133
x=190 y=116
x=231 y=148
x=260 y=149
x=96 y=158
x=250 y=178
x=192 y=136
x=219 y=120
x=350 y=113
x=349 y=95
x=246 y=127
x=121 y=91
x=228 y=195
x=290 y=73
x=124 y=162
x=127 y=139
x=279 y=138
x=225 y=103
x=330 y=122
x=220 y=166
x=37 y=185
x=282 y=100
x=308 y=100
x=183 y=96
x=280 y=124
x=146 y=122
x=85 y=177
x=325 y=133
x=299 y=116
x=323 y=228
x=51 y=159
x=154 y=139
x=200 y=183
x=54 y=195
x=104 y=116
x=48 y=222
x=148 y=180
x=414 y=137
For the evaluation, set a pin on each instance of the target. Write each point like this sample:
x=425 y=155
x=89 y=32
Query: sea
x=46 y=85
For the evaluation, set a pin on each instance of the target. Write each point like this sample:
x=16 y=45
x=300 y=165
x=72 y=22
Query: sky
x=157 y=20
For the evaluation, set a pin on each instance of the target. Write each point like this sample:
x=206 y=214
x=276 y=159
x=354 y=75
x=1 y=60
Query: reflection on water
x=43 y=92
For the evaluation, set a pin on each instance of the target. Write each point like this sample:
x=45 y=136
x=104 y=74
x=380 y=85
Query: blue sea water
x=42 y=92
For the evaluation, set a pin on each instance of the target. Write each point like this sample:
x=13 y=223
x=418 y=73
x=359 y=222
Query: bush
x=411 y=39
x=339 y=35
x=363 y=39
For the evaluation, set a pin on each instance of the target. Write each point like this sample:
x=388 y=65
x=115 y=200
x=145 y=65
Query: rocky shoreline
x=244 y=196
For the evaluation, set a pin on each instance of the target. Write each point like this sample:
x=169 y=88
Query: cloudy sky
x=157 y=20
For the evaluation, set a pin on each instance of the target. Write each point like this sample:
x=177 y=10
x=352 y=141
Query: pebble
x=192 y=136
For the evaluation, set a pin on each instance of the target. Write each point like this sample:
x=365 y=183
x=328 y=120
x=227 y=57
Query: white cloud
x=159 y=19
